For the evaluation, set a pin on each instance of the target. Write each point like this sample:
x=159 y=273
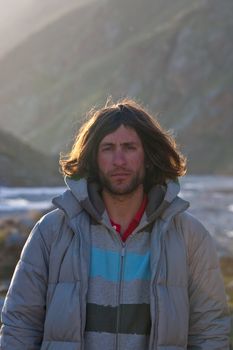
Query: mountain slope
x=30 y=16
x=23 y=166
x=176 y=57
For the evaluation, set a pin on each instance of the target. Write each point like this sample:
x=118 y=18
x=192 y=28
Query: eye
x=106 y=148
x=131 y=147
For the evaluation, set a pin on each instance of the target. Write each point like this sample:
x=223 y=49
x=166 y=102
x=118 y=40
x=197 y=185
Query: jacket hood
x=163 y=201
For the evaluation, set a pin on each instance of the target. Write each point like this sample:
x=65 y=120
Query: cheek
x=103 y=161
x=138 y=160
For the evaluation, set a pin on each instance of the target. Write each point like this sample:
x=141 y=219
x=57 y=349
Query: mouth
x=121 y=174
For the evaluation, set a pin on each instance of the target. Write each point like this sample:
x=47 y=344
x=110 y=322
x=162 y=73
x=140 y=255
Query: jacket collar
x=163 y=201
x=168 y=201
x=78 y=197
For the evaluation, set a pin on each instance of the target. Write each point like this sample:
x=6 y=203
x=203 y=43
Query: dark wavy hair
x=163 y=160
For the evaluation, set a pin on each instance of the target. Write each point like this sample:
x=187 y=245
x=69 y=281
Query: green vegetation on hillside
x=23 y=166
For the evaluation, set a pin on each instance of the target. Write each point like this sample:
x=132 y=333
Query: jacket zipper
x=119 y=296
x=81 y=293
x=156 y=297
x=159 y=262
x=122 y=258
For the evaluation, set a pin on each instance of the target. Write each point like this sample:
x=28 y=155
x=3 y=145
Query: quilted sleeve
x=209 y=320
x=24 y=308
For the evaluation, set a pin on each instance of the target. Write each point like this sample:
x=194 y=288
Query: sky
x=18 y=19
x=14 y=22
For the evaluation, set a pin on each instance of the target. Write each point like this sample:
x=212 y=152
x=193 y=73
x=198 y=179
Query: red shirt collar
x=134 y=223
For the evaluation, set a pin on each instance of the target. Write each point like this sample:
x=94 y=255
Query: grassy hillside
x=175 y=56
x=23 y=166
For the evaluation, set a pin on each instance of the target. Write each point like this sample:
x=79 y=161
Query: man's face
x=120 y=160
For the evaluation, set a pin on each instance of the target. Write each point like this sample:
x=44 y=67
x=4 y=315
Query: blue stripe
x=137 y=267
x=106 y=264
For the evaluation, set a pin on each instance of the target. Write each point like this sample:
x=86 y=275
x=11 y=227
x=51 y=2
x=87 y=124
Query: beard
x=121 y=187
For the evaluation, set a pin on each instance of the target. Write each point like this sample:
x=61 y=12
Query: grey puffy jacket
x=186 y=286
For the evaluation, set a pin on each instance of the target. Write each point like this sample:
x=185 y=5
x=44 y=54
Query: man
x=119 y=264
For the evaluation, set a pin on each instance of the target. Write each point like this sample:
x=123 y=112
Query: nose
x=119 y=158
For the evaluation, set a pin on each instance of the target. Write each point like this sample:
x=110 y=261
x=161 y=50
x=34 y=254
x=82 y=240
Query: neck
x=122 y=208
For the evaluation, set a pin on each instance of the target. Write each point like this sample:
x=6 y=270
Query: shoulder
x=52 y=220
x=50 y=226
x=194 y=233
x=190 y=226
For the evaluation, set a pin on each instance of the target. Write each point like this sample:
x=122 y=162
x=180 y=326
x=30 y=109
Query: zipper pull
x=123 y=252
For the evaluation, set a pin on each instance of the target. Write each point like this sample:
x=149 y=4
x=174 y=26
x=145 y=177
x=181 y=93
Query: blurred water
x=27 y=198
x=206 y=183
x=211 y=201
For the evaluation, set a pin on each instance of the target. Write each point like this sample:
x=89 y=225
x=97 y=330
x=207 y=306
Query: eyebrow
x=130 y=143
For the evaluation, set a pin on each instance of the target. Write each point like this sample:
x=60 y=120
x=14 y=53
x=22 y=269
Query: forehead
x=122 y=134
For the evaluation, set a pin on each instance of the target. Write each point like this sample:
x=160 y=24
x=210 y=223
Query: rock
x=14 y=239
x=4 y=285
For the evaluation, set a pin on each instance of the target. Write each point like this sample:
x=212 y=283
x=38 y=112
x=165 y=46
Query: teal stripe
x=137 y=267
x=106 y=264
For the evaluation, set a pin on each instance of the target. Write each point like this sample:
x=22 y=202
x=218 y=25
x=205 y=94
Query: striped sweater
x=118 y=298
x=118 y=308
